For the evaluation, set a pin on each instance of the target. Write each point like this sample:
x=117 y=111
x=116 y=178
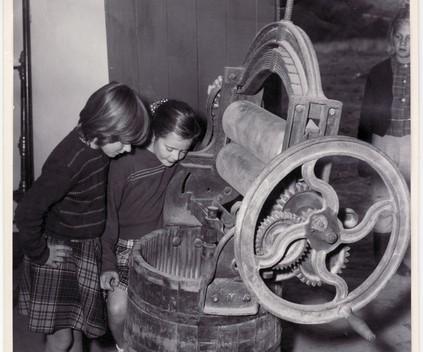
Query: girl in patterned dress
x=385 y=119
x=62 y=217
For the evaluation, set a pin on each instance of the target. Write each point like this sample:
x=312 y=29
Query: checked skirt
x=65 y=297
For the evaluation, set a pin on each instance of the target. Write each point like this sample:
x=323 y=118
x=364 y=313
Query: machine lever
x=357 y=324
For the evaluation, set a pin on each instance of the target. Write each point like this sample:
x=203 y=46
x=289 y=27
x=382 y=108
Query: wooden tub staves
x=164 y=311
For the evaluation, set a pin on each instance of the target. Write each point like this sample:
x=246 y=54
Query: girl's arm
x=53 y=184
x=115 y=186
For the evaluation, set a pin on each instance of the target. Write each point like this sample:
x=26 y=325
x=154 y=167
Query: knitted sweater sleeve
x=365 y=125
x=115 y=188
x=53 y=184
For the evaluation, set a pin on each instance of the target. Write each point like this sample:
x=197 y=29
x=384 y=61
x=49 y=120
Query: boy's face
x=115 y=148
x=401 y=42
x=170 y=149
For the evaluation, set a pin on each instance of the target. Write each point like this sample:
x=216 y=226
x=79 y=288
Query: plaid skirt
x=65 y=297
x=123 y=253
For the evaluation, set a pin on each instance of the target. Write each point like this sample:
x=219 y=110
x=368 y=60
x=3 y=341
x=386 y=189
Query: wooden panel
x=121 y=36
x=182 y=50
x=211 y=44
x=151 y=44
x=241 y=29
x=265 y=13
x=174 y=49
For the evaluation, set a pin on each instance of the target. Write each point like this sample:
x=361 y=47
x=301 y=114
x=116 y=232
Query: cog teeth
x=285 y=198
x=301 y=186
x=277 y=208
x=346 y=261
x=266 y=228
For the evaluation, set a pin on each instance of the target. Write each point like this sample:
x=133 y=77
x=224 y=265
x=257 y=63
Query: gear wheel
x=337 y=262
x=299 y=199
x=270 y=228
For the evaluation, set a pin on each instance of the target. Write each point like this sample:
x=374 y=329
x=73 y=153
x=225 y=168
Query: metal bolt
x=331 y=111
x=299 y=108
x=319 y=222
x=246 y=298
x=215 y=299
x=176 y=241
x=212 y=211
x=232 y=76
x=332 y=237
x=234 y=266
x=227 y=190
x=198 y=242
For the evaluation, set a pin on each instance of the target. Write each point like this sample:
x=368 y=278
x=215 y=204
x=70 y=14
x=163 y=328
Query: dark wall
x=168 y=48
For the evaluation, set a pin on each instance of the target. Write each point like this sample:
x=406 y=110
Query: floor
x=388 y=316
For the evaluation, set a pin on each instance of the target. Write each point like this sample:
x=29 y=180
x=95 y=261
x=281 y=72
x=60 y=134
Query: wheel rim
x=306 y=155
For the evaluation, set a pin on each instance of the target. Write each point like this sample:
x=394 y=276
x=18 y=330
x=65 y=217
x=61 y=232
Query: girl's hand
x=109 y=280
x=58 y=254
x=216 y=85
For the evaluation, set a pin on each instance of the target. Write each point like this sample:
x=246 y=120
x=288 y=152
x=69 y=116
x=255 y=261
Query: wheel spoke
x=318 y=261
x=366 y=225
x=279 y=248
x=329 y=195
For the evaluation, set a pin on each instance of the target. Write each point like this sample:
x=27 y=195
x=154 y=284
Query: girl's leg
x=59 y=341
x=116 y=309
x=77 y=345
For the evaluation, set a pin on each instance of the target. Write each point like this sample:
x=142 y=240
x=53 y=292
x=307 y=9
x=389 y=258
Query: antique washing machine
x=254 y=208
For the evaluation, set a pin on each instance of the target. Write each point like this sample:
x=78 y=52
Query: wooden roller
x=254 y=128
x=237 y=166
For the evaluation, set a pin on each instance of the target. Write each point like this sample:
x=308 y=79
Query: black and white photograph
x=212 y=175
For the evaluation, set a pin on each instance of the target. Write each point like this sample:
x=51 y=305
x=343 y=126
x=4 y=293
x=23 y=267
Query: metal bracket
x=228 y=297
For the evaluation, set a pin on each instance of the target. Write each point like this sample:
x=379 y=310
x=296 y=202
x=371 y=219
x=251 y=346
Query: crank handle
x=357 y=324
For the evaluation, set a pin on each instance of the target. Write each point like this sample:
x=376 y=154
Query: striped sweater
x=135 y=200
x=67 y=201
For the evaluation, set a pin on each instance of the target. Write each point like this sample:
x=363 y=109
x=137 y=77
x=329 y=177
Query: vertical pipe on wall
x=26 y=138
x=277 y=10
x=29 y=161
x=288 y=10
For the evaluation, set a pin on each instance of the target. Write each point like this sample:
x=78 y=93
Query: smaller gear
x=270 y=229
x=299 y=199
x=336 y=260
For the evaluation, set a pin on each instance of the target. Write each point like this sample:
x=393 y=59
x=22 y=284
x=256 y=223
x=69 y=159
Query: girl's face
x=170 y=149
x=115 y=148
x=401 y=43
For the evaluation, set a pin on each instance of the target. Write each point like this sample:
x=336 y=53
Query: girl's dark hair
x=175 y=116
x=115 y=113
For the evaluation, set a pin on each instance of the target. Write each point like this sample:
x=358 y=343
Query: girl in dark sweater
x=137 y=185
x=62 y=217
x=385 y=119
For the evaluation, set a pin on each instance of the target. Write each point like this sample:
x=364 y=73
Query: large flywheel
x=303 y=231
